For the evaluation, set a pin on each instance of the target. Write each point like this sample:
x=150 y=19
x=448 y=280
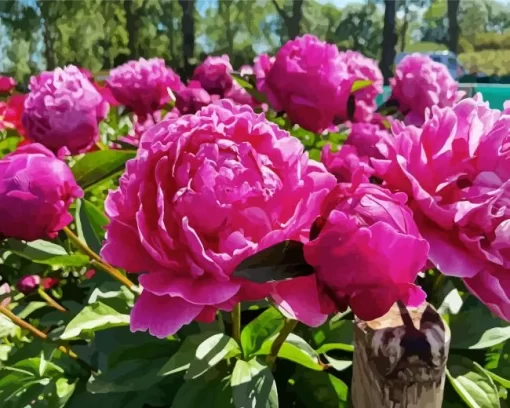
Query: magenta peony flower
x=214 y=75
x=310 y=82
x=49 y=283
x=144 y=85
x=346 y=164
x=28 y=284
x=456 y=171
x=204 y=192
x=421 y=83
x=5 y=289
x=363 y=69
x=261 y=67
x=368 y=251
x=7 y=84
x=192 y=98
x=62 y=110
x=36 y=190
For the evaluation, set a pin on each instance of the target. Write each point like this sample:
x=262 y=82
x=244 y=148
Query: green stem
x=98 y=261
x=236 y=323
x=289 y=326
x=50 y=300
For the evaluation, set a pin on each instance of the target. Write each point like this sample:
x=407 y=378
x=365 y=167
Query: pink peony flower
x=214 y=75
x=49 y=283
x=13 y=113
x=192 y=98
x=144 y=85
x=421 y=83
x=5 y=289
x=7 y=84
x=309 y=81
x=28 y=284
x=368 y=251
x=346 y=164
x=261 y=67
x=456 y=171
x=363 y=69
x=204 y=192
x=36 y=190
x=63 y=110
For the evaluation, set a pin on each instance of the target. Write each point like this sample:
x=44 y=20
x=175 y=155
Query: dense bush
x=257 y=213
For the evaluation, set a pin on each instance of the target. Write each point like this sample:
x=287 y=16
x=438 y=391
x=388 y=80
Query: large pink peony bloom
x=62 y=110
x=310 y=82
x=364 y=69
x=456 y=171
x=7 y=84
x=214 y=75
x=144 y=85
x=421 y=83
x=368 y=252
x=204 y=192
x=36 y=190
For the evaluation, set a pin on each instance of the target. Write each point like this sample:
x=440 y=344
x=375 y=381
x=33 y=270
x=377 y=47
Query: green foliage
x=253 y=385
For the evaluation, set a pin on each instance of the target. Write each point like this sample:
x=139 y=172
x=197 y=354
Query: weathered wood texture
x=397 y=366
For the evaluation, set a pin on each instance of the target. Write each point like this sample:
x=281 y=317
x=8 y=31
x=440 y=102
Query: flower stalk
x=289 y=326
x=48 y=299
x=98 y=261
x=236 y=323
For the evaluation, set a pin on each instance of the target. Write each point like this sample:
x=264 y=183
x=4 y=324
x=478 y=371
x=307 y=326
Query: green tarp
x=496 y=95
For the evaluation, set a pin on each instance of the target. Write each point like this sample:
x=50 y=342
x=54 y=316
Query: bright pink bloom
x=63 y=110
x=421 y=83
x=144 y=85
x=7 y=84
x=346 y=164
x=261 y=67
x=214 y=75
x=36 y=190
x=309 y=81
x=5 y=289
x=28 y=284
x=13 y=112
x=364 y=69
x=368 y=252
x=204 y=192
x=192 y=98
x=456 y=171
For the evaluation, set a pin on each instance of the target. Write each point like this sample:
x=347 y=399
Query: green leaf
x=7 y=327
x=8 y=145
x=337 y=364
x=253 y=385
x=256 y=94
x=320 y=389
x=90 y=224
x=260 y=329
x=360 y=84
x=278 y=262
x=204 y=392
x=501 y=365
x=181 y=360
x=210 y=352
x=500 y=380
x=335 y=331
x=93 y=318
x=295 y=349
x=436 y=10
x=96 y=167
x=475 y=327
x=472 y=383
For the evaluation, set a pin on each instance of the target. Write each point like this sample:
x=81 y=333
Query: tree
x=291 y=20
x=188 y=35
x=453 y=25
x=389 y=39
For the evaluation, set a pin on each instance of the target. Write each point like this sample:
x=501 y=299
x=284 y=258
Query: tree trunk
x=389 y=39
x=49 y=54
x=400 y=360
x=188 y=34
x=294 y=22
x=453 y=25
x=405 y=26
x=132 y=29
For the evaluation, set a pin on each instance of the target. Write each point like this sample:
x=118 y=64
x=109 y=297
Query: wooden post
x=399 y=365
